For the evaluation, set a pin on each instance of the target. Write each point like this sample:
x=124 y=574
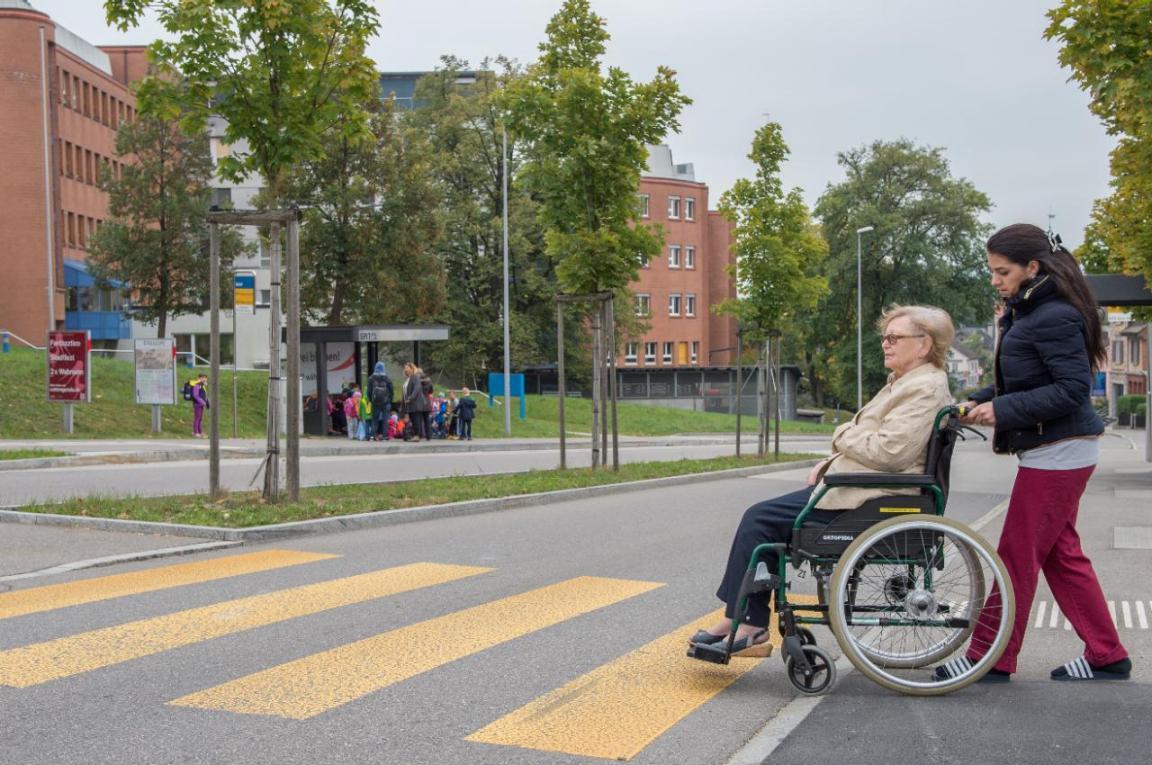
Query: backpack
x=187 y=390
x=426 y=385
x=381 y=392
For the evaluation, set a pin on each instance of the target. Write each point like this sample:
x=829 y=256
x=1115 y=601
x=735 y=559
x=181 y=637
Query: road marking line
x=315 y=684
x=1041 y=607
x=1127 y=614
x=51 y=597
x=1055 y=620
x=54 y=659
x=1140 y=617
x=618 y=709
x=1112 y=612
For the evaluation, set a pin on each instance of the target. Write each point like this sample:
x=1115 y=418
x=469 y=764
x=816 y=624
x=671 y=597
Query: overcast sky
x=974 y=77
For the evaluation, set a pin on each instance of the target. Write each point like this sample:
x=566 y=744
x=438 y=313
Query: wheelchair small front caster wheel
x=806 y=636
x=821 y=673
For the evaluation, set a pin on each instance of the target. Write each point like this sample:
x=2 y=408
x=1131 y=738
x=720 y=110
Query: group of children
x=450 y=417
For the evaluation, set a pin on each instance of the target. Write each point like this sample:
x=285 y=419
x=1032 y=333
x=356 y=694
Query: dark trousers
x=419 y=422
x=380 y=422
x=767 y=521
x=1040 y=535
x=466 y=429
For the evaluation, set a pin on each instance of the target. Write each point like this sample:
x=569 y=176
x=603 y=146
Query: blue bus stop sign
x=496 y=389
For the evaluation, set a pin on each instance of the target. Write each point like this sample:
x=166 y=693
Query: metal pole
x=49 y=213
x=294 y=399
x=155 y=418
x=596 y=363
x=613 y=383
x=860 y=319
x=560 y=380
x=1148 y=396
x=507 y=351
x=68 y=421
x=604 y=381
x=214 y=361
x=235 y=354
x=739 y=384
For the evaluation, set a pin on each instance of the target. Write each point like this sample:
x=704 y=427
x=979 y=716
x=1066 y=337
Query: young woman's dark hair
x=1022 y=243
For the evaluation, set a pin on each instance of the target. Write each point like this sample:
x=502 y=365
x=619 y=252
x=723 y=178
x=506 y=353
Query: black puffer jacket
x=1043 y=382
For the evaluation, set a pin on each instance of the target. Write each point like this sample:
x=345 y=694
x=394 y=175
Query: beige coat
x=889 y=435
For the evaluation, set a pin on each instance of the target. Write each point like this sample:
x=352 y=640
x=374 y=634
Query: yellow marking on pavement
x=314 y=684
x=56 y=596
x=41 y=662
x=621 y=707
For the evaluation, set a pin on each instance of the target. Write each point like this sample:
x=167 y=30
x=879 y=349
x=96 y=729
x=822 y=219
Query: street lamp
x=860 y=322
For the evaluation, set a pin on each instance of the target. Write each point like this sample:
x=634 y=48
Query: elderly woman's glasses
x=893 y=339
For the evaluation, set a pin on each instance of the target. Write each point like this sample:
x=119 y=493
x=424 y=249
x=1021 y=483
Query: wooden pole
x=294 y=398
x=613 y=391
x=562 y=390
x=214 y=362
x=272 y=457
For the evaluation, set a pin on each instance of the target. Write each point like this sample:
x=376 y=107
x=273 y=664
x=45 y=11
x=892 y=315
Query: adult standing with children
x=380 y=392
x=1040 y=406
x=416 y=404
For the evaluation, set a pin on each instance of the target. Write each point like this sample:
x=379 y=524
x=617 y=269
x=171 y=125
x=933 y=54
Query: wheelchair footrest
x=716 y=653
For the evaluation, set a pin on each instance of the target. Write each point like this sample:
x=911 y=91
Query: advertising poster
x=155 y=371
x=69 y=366
x=341 y=367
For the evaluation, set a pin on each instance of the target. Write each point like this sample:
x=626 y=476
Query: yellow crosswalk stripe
x=618 y=709
x=314 y=684
x=54 y=659
x=55 y=596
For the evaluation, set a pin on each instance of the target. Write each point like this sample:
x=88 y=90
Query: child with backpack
x=352 y=413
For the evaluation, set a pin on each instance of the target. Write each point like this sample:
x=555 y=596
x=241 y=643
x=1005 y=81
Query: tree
x=585 y=133
x=1105 y=44
x=370 y=225
x=281 y=74
x=927 y=248
x=778 y=249
x=156 y=239
x=461 y=119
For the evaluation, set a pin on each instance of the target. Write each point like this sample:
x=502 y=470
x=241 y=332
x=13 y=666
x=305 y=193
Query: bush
x=1130 y=404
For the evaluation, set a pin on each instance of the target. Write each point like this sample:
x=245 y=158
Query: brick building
x=60 y=105
x=677 y=289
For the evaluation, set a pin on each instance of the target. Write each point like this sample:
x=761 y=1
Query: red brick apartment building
x=679 y=287
x=61 y=101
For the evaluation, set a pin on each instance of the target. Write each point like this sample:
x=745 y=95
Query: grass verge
x=246 y=509
x=30 y=454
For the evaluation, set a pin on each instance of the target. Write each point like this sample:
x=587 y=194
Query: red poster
x=69 y=366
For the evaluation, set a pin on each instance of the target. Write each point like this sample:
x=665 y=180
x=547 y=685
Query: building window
x=689 y=305
x=1134 y=351
x=645 y=199
x=674 y=304
x=644 y=305
x=265 y=253
x=650 y=353
x=674 y=208
x=689 y=208
x=630 y=353
x=1118 y=352
x=222 y=198
x=265 y=298
x=689 y=256
x=667 y=353
x=695 y=351
x=673 y=256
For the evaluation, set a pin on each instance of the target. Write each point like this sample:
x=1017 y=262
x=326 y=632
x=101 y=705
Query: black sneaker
x=1080 y=669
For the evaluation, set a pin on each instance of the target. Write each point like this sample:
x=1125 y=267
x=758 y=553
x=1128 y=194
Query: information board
x=155 y=371
x=69 y=366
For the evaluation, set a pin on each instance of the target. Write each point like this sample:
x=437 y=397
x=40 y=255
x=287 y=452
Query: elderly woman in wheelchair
x=899 y=585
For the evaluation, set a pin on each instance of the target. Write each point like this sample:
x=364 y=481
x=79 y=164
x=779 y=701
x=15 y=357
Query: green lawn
x=245 y=509
x=24 y=414
x=29 y=454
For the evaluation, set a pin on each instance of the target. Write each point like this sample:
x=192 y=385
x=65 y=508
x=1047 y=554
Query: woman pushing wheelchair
x=890 y=434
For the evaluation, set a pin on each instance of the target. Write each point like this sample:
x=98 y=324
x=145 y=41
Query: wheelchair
x=900 y=586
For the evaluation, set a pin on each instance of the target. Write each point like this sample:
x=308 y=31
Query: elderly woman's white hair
x=932 y=321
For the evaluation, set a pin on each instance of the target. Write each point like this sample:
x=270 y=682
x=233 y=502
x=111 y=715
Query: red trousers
x=1040 y=535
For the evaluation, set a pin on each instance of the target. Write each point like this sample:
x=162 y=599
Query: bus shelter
x=332 y=357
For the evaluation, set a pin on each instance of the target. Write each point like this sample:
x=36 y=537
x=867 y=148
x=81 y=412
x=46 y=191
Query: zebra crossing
x=613 y=711
x=1126 y=615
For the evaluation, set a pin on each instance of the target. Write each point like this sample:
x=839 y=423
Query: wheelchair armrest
x=878 y=479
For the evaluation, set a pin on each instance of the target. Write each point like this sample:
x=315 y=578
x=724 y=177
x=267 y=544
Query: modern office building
x=60 y=106
x=677 y=289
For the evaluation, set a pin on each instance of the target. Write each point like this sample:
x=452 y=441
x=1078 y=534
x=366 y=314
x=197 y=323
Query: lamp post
x=507 y=351
x=860 y=320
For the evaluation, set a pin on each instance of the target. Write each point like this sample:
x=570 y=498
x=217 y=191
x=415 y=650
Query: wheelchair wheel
x=908 y=594
x=822 y=673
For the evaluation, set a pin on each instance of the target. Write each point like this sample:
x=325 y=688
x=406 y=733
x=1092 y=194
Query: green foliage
x=461 y=122
x=156 y=239
x=778 y=249
x=1105 y=44
x=370 y=225
x=281 y=73
x=1130 y=404
x=927 y=248
x=585 y=132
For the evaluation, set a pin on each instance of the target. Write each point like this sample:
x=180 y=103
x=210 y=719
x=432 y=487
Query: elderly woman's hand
x=817 y=470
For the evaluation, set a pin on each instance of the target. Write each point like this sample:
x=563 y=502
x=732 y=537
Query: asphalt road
x=547 y=635
x=186 y=477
